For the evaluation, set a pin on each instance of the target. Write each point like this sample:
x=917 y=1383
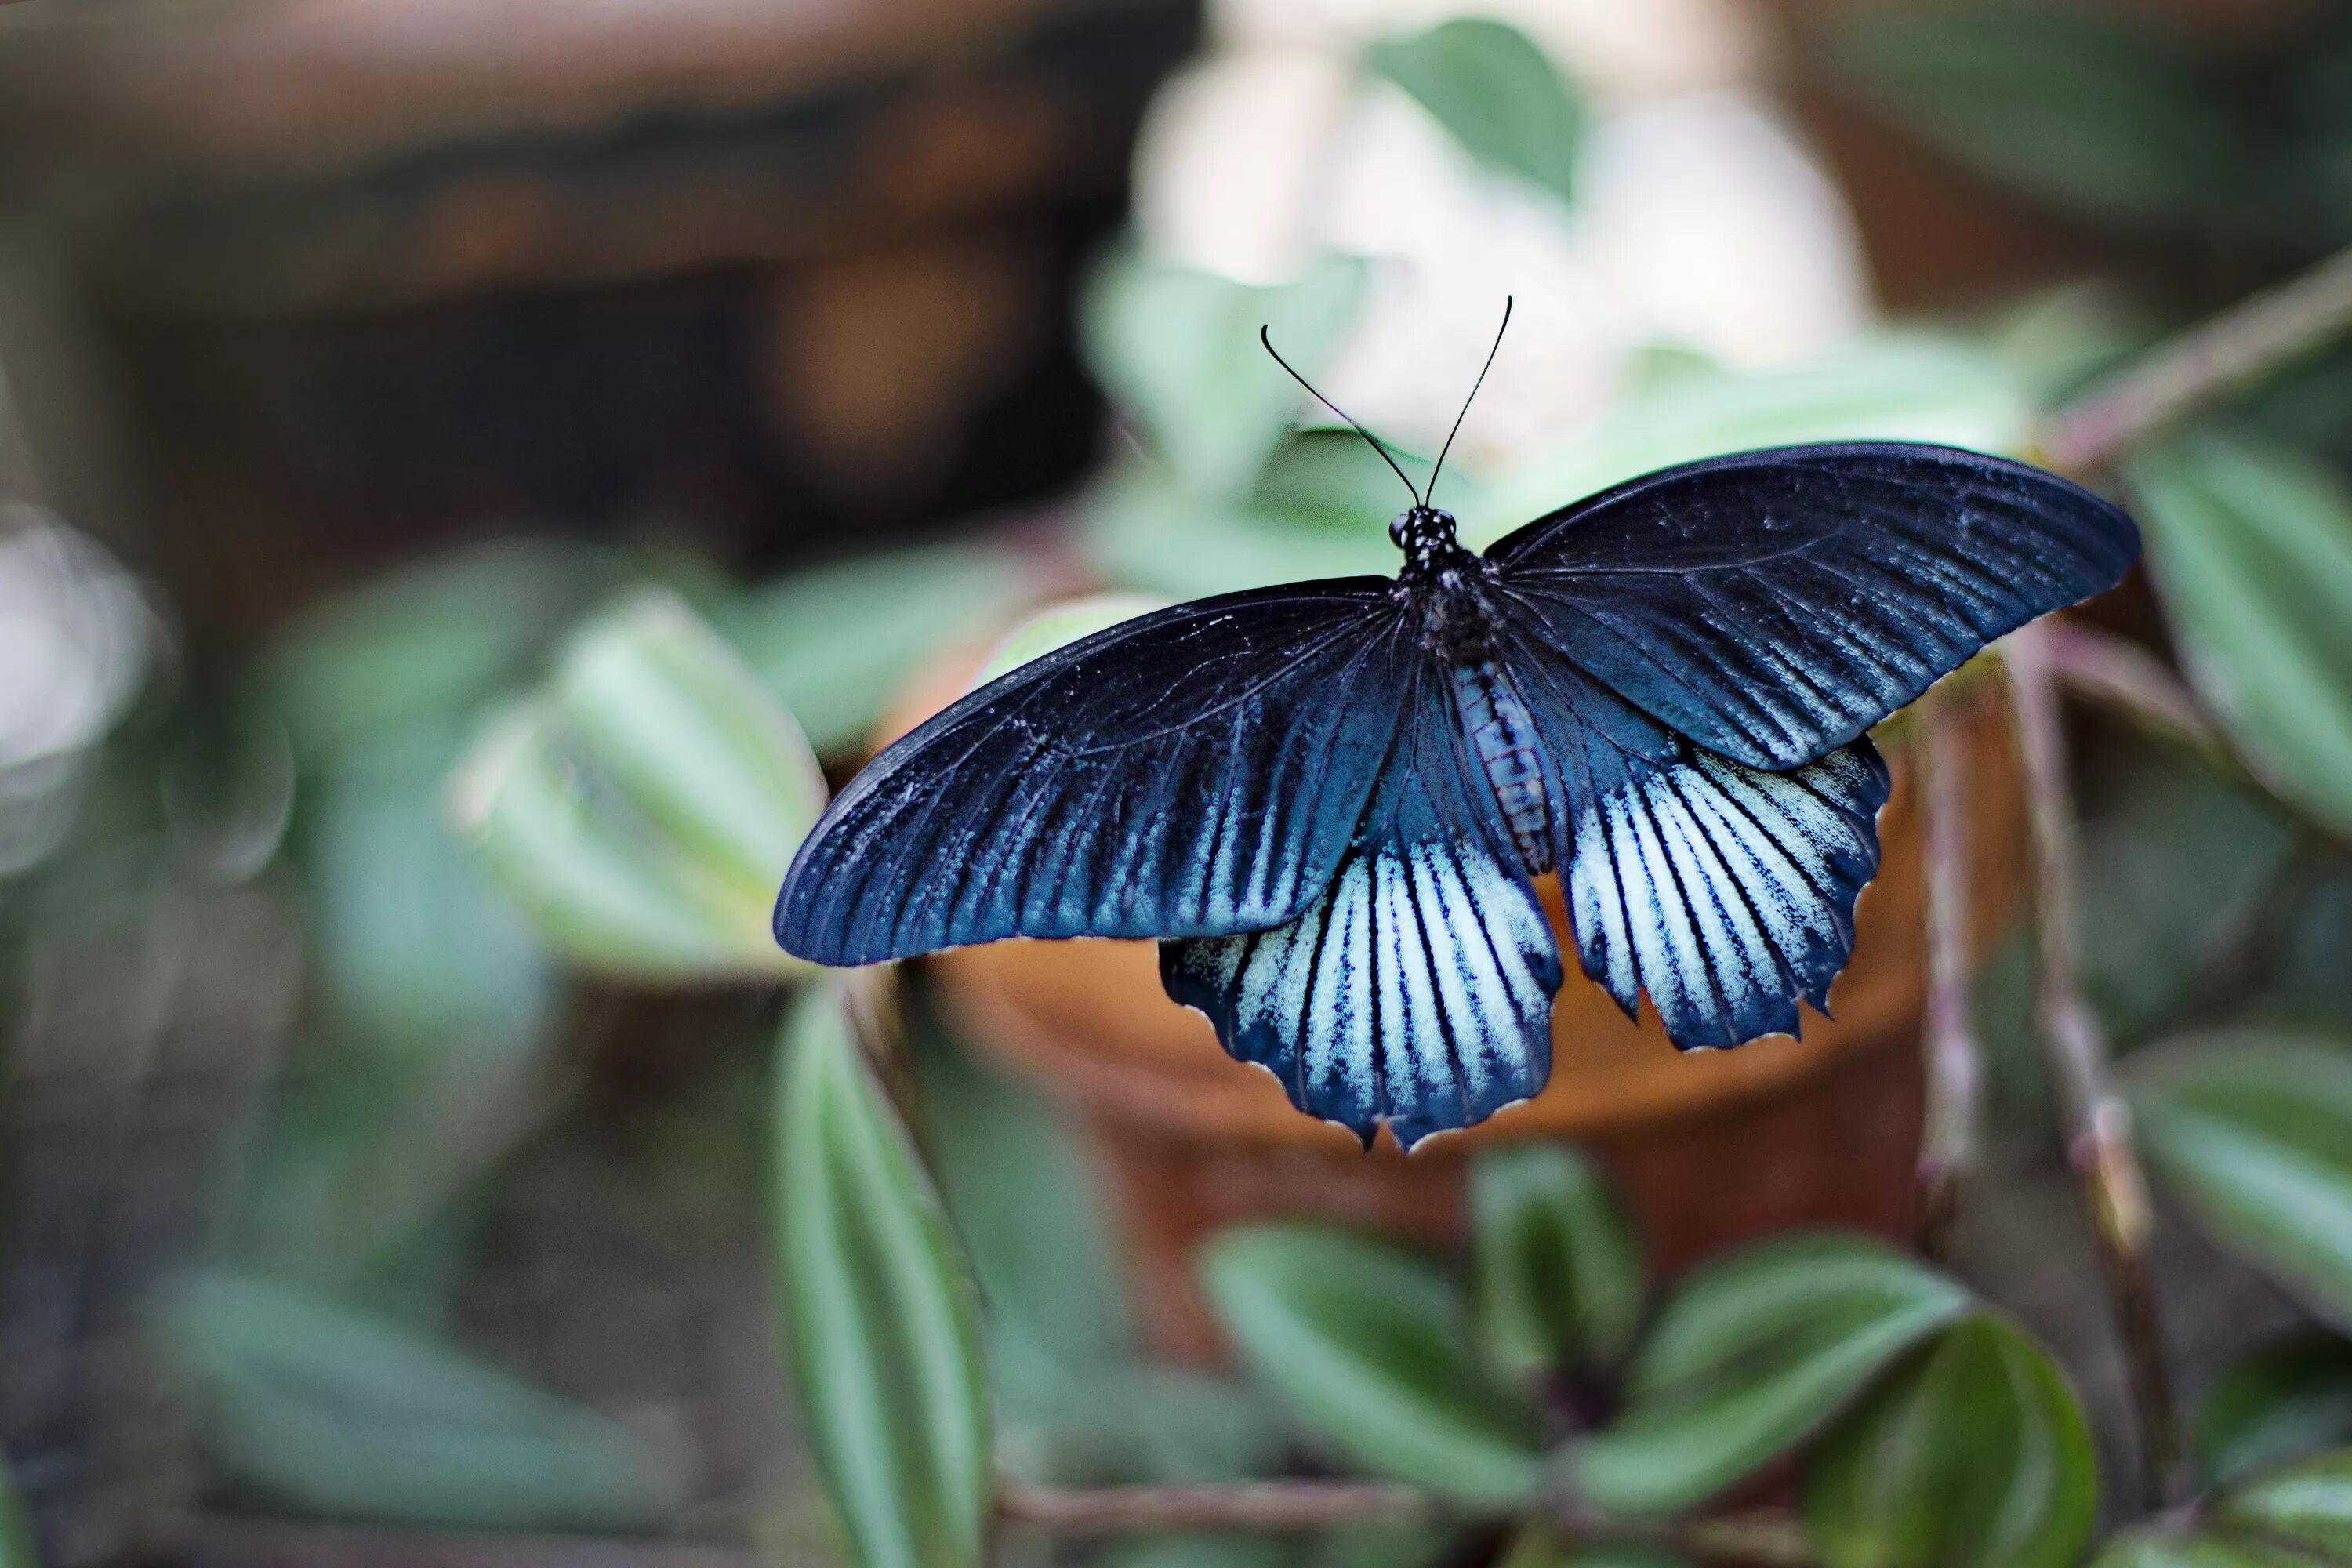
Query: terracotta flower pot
x=1710 y=1149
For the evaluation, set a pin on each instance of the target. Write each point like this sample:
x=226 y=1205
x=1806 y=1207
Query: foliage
x=15 y=1533
x=2299 y=1515
x=1556 y=1270
x=836 y=644
x=340 y=1413
x=2251 y=546
x=880 y=1318
x=1500 y=96
x=642 y=810
x=629 y=814
x=1178 y=349
x=2089 y=113
x=2286 y=1396
x=1975 y=1453
x=1750 y=1357
x=1370 y=1346
x=2254 y=1130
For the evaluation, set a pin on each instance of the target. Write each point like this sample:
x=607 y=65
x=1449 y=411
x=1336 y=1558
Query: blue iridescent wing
x=1194 y=771
x=1417 y=992
x=1774 y=604
x=1725 y=891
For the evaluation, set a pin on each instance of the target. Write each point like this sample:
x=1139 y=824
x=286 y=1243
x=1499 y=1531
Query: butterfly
x=1330 y=802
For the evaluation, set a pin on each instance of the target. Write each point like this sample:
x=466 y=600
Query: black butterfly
x=1327 y=801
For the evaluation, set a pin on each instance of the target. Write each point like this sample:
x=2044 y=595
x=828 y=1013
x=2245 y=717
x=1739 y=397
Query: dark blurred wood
x=368 y=278
x=338 y=154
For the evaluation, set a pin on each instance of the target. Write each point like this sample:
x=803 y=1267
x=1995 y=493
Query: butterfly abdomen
x=1502 y=737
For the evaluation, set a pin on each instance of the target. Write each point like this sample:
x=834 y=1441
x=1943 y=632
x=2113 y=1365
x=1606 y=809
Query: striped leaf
x=1749 y=1359
x=880 y=1318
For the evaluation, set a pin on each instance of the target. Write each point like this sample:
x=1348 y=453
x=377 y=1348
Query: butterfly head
x=1422 y=532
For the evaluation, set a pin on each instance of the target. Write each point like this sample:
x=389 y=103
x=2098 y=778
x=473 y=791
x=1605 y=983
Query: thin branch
x=1955 y=1070
x=2106 y=669
x=1759 y=1540
x=2098 y=1121
x=2251 y=340
x=1275 y=1507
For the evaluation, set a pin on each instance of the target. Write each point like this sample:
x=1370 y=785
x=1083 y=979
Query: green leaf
x=1023 y=1198
x=1538 y=1548
x=1369 y=1345
x=641 y=814
x=417 y=952
x=1178 y=350
x=2089 y=113
x=336 y=1412
x=2253 y=1129
x=2279 y=1401
x=1145 y=531
x=360 y=1176
x=880 y=1321
x=1497 y=93
x=1059 y=625
x=1751 y=1356
x=1136 y=1422
x=1557 y=1273
x=837 y=644
x=2306 y=1505
x=15 y=1530
x=426 y=645
x=1974 y=1455
x=2298 y=1517
x=2177 y=859
x=662 y=708
x=1898 y=386
x=2251 y=549
x=1199 y=1551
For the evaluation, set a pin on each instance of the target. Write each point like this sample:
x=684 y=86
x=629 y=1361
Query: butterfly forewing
x=1773 y=605
x=1193 y=772
x=1417 y=992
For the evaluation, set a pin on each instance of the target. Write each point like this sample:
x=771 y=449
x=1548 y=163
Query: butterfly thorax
x=1448 y=586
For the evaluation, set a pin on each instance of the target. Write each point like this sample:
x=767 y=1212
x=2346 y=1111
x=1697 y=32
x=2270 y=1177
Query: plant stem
x=1955 y=1068
x=2245 y=343
x=1274 y=1507
x=2098 y=1121
x=1759 y=1540
x=2108 y=670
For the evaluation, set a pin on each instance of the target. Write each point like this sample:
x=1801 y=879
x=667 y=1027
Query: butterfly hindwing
x=1774 y=604
x=1193 y=772
x=1725 y=891
x=1418 y=990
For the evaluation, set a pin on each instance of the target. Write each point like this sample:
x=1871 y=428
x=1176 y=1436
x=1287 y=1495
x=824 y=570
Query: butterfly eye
x=1401 y=531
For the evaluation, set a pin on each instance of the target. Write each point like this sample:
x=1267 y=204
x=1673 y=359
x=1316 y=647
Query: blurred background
x=400 y=399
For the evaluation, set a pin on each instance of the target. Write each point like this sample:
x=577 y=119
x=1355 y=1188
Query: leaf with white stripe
x=2253 y=1129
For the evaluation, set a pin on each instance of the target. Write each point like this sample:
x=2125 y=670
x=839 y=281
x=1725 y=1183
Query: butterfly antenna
x=1474 y=393
x=1264 y=336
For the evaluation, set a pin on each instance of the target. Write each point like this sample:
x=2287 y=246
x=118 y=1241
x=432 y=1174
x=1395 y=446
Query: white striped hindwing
x=1725 y=891
x=1417 y=992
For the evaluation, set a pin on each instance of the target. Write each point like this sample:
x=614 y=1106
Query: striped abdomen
x=1503 y=738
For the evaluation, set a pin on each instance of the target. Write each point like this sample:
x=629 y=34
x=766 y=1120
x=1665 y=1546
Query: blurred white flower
x=73 y=638
x=1700 y=219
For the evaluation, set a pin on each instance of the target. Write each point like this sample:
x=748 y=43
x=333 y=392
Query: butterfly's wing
x=1725 y=891
x=1774 y=604
x=1193 y=772
x=1417 y=990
